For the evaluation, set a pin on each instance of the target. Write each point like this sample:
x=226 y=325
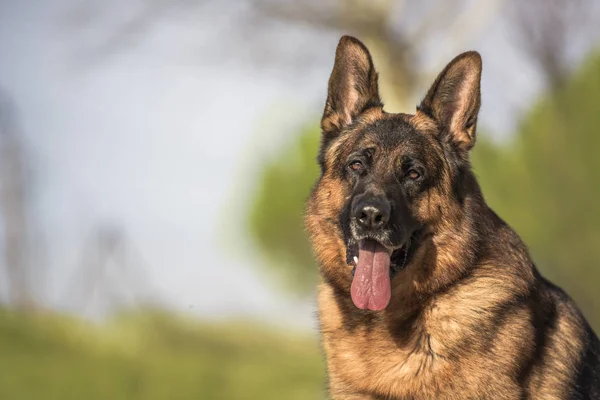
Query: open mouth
x=373 y=267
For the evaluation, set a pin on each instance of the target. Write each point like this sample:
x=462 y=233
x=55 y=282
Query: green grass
x=153 y=356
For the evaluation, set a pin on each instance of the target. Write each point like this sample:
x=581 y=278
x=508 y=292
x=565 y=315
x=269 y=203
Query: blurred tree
x=548 y=29
x=275 y=217
x=13 y=212
x=110 y=269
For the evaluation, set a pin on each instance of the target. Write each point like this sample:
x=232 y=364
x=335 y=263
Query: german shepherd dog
x=426 y=293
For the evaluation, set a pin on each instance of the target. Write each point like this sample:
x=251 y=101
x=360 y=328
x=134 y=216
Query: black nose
x=372 y=215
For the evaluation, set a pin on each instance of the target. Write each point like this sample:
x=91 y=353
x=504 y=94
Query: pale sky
x=167 y=147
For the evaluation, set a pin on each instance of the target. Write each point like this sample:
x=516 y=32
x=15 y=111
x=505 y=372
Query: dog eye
x=413 y=174
x=356 y=166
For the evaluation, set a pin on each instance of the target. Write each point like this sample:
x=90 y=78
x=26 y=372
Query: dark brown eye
x=356 y=166
x=413 y=174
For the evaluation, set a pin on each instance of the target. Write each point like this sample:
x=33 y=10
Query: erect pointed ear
x=454 y=99
x=352 y=87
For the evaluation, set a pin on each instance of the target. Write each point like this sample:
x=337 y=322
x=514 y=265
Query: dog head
x=388 y=179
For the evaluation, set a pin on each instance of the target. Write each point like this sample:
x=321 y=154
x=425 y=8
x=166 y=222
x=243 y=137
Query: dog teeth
x=355 y=260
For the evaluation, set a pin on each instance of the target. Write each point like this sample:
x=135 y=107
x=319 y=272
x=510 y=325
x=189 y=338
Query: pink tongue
x=371 y=284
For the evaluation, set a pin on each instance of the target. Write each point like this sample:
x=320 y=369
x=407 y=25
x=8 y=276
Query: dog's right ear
x=352 y=87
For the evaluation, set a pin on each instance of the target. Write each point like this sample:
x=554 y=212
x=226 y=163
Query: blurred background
x=155 y=156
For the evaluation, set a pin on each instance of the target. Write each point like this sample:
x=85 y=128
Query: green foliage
x=153 y=356
x=545 y=182
x=275 y=219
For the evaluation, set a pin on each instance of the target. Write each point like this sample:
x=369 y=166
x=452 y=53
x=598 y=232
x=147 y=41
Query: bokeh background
x=155 y=156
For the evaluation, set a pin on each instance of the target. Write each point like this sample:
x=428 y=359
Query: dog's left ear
x=454 y=99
